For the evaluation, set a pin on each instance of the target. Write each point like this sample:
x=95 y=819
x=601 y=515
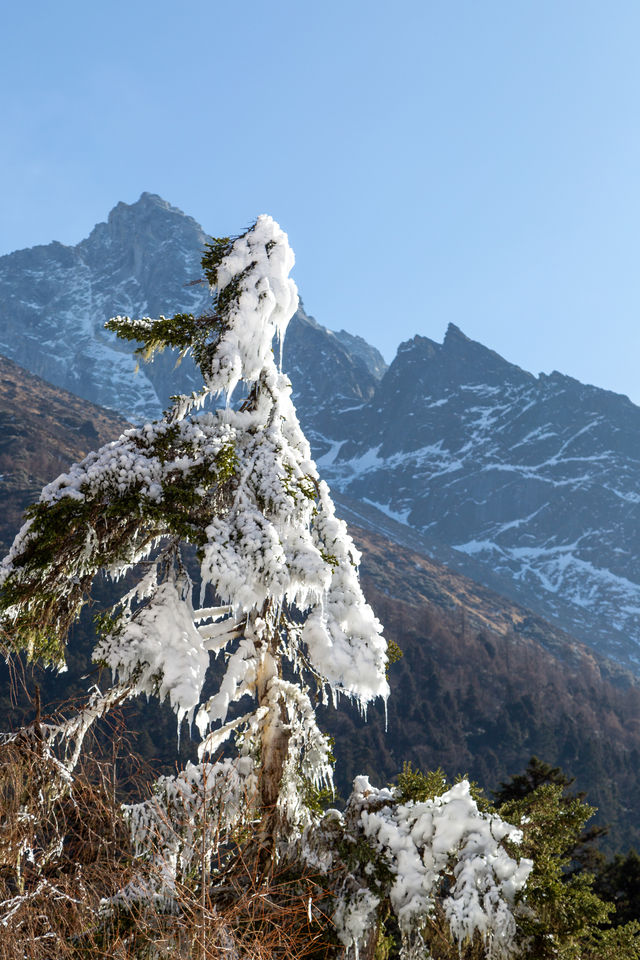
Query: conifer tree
x=239 y=484
x=276 y=592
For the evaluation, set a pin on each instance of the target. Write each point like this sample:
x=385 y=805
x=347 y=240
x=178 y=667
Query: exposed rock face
x=55 y=300
x=327 y=378
x=358 y=347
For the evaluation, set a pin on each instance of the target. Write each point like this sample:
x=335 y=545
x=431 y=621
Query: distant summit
x=55 y=299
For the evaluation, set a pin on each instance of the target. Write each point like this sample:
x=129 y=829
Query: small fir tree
x=565 y=917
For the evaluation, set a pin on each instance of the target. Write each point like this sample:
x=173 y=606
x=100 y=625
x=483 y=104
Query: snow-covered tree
x=238 y=483
x=277 y=593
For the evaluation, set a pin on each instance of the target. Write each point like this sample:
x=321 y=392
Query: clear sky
x=467 y=162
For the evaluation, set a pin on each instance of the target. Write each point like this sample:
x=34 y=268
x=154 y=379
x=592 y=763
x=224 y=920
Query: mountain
x=482 y=684
x=55 y=299
x=358 y=347
x=527 y=484
x=532 y=481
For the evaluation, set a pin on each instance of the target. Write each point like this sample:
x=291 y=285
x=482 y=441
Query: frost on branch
x=440 y=854
x=159 y=650
x=159 y=481
x=185 y=819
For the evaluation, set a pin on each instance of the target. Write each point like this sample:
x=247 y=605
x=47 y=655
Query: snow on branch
x=442 y=853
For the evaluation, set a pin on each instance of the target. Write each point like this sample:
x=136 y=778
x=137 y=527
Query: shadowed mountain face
x=529 y=484
x=535 y=478
x=56 y=299
x=483 y=682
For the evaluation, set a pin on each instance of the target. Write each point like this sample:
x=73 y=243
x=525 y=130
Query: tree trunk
x=274 y=743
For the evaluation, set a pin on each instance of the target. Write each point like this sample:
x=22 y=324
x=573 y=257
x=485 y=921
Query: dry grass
x=65 y=851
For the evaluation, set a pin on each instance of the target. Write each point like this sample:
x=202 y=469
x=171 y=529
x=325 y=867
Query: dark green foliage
x=418 y=786
x=183 y=332
x=49 y=584
x=582 y=854
x=572 y=917
x=71 y=539
x=214 y=254
x=619 y=882
x=564 y=913
x=617 y=943
x=536 y=775
x=178 y=332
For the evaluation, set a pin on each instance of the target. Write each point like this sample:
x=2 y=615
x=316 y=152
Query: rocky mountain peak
x=149 y=205
x=358 y=347
x=145 y=237
x=536 y=478
x=424 y=369
x=54 y=301
x=473 y=360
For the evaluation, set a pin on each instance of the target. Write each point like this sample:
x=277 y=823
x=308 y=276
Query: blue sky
x=474 y=163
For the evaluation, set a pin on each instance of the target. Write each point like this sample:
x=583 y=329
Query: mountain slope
x=483 y=684
x=42 y=431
